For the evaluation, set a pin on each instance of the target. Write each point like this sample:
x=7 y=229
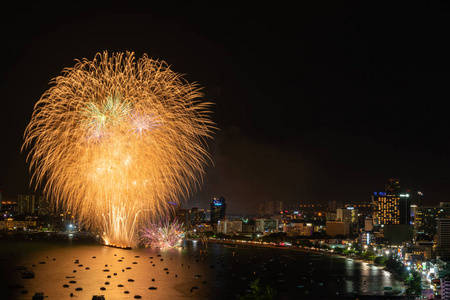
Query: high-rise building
x=392 y=206
x=443 y=239
x=270 y=208
x=445 y=288
x=347 y=214
x=218 y=209
x=443 y=232
x=182 y=214
x=426 y=218
x=25 y=204
x=334 y=205
x=197 y=215
x=44 y=206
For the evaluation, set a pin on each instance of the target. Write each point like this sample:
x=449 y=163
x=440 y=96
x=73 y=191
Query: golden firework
x=116 y=139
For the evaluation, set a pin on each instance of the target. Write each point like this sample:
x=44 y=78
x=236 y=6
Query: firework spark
x=164 y=234
x=115 y=140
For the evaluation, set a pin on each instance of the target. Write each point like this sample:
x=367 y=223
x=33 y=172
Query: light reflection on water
x=217 y=272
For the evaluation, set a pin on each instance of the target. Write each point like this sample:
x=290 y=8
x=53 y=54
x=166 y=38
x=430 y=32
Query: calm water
x=218 y=271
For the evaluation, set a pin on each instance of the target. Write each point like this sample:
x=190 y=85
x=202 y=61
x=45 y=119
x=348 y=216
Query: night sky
x=314 y=102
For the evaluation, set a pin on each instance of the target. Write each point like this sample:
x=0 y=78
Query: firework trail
x=164 y=234
x=116 y=139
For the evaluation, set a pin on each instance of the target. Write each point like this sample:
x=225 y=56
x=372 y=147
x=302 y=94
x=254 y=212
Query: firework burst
x=164 y=234
x=116 y=139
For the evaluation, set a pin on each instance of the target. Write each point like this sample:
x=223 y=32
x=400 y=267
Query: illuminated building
x=368 y=224
x=348 y=214
x=44 y=206
x=197 y=215
x=443 y=232
x=182 y=214
x=334 y=228
x=11 y=224
x=266 y=225
x=25 y=204
x=218 y=209
x=366 y=238
x=426 y=220
x=1 y=200
x=229 y=227
x=392 y=206
x=443 y=238
x=298 y=229
x=445 y=288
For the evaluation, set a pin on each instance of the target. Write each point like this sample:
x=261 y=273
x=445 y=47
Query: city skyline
x=321 y=103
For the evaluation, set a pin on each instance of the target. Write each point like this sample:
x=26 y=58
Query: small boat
x=38 y=296
x=27 y=274
x=152 y=288
x=79 y=289
x=98 y=297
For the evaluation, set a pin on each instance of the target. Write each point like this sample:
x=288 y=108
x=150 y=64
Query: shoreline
x=357 y=259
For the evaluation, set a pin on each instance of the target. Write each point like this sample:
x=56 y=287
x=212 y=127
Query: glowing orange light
x=116 y=140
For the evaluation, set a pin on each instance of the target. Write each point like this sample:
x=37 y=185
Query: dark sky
x=317 y=101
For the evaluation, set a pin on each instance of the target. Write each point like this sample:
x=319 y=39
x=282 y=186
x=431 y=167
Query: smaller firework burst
x=163 y=234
